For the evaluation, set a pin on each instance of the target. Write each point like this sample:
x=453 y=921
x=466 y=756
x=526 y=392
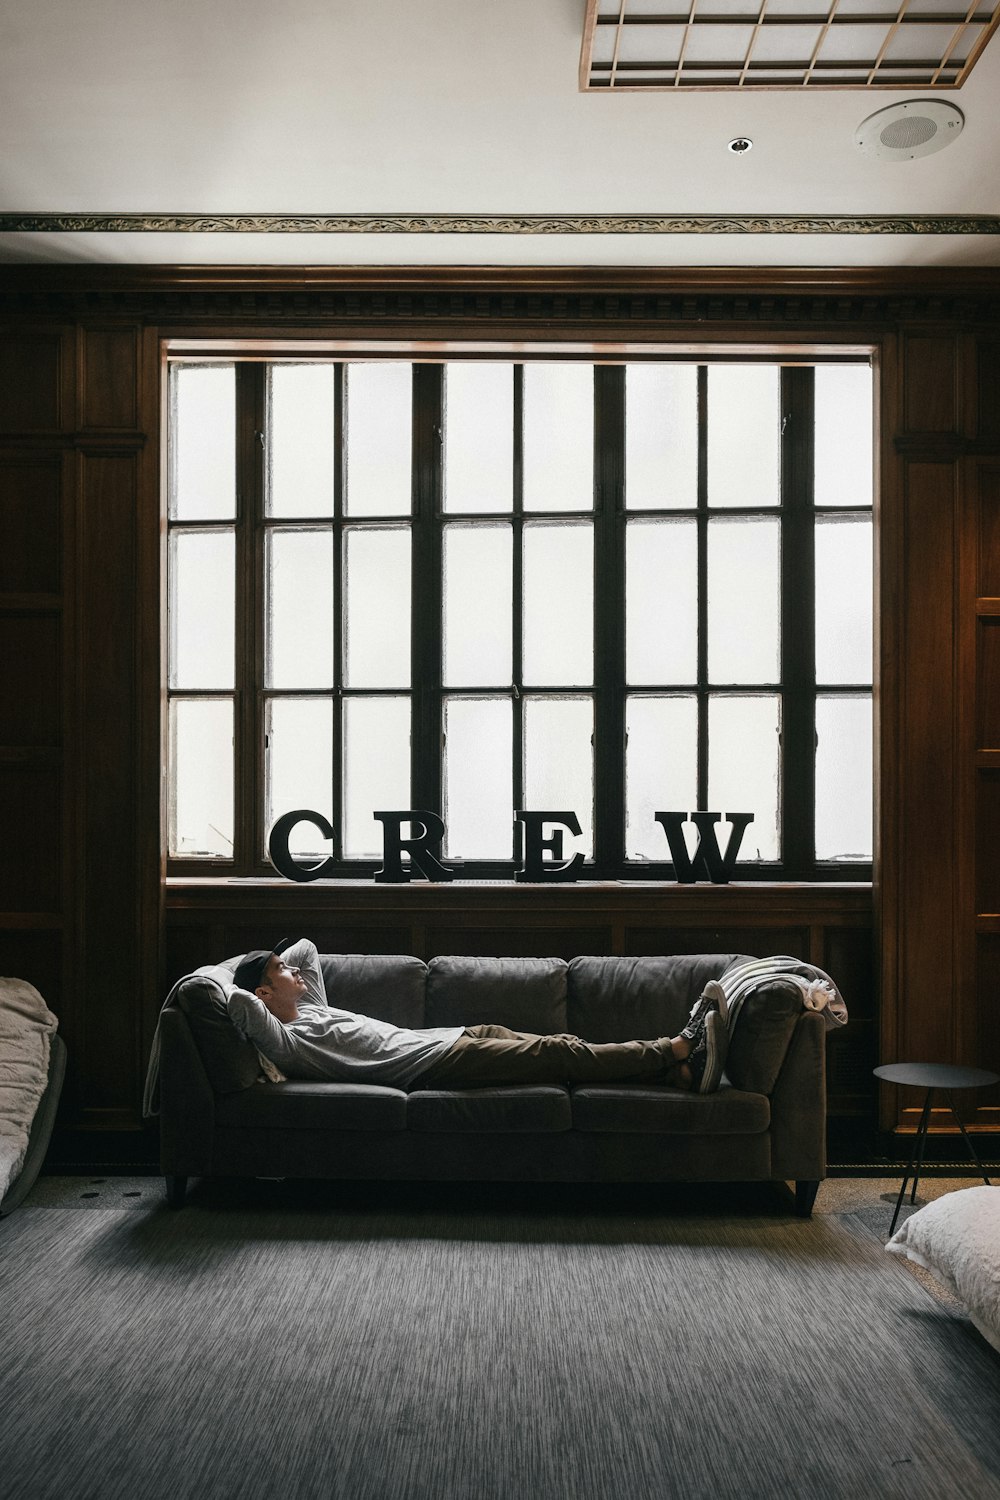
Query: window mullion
x=517 y=602
x=337 y=624
x=798 y=626
x=702 y=521
x=609 y=619
x=426 y=563
x=250 y=793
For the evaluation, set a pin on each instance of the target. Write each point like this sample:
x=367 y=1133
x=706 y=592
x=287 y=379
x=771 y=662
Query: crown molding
x=500 y=224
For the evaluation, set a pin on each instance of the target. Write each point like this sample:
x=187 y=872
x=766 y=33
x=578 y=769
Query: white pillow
x=957 y=1238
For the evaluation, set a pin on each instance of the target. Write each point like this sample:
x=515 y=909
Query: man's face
x=280 y=988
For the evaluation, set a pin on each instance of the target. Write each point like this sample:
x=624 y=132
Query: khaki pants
x=489 y=1055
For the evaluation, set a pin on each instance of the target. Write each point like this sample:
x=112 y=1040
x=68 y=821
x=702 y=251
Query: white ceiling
x=351 y=107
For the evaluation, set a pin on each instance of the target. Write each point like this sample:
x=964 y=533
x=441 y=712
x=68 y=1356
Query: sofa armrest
x=187 y=1102
x=798 y=1104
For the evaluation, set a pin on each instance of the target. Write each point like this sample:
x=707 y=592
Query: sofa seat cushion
x=504 y=1111
x=526 y=994
x=647 y=1109
x=313 y=1106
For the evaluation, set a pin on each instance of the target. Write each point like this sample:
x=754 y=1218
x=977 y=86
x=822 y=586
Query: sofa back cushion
x=230 y=1061
x=625 y=999
x=526 y=994
x=389 y=987
x=762 y=1035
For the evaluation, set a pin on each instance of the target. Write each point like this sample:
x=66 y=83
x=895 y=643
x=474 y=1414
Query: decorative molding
x=508 y=224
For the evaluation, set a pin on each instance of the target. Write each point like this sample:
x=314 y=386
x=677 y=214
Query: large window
x=482 y=585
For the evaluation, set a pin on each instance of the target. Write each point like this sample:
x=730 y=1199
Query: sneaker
x=707 y=1057
x=712 y=997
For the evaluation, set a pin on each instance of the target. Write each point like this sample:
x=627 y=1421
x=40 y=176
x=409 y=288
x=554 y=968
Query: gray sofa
x=766 y=1123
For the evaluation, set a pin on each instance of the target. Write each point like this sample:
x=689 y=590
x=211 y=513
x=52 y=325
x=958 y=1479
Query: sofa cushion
x=762 y=1034
x=503 y=1111
x=314 y=1106
x=637 y=999
x=230 y=1061
x=389 y=987
x=646 y=1109
x=526 y=994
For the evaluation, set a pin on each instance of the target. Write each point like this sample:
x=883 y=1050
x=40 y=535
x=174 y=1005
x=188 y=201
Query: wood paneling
x=926 y=768
x=988 y=684
x=988 y=404
x=30 y=679
x=107 y=764
x=31 y=868
x=30 y=523
x=109 y=378
x=31 y=379
x=930 y=390
x=988 y=531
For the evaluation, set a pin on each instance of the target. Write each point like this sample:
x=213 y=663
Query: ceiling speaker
x=917 y=128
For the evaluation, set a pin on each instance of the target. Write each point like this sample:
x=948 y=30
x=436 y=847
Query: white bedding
x=957 y=1238
x=26 y=1027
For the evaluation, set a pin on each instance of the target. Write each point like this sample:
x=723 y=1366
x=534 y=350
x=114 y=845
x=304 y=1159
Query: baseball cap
x=250 y=969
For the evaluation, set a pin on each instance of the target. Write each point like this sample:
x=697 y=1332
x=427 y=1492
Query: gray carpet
x=287 y=1340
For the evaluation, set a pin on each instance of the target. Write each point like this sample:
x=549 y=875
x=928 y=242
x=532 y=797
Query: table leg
x=917 y=1145
x=925 y=1120
x=968 y=1139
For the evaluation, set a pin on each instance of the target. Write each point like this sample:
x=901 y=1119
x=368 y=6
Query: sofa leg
x=176 y=1191
x=805 y=1197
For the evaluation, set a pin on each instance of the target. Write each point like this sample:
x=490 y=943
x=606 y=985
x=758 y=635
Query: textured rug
x=288 y=1340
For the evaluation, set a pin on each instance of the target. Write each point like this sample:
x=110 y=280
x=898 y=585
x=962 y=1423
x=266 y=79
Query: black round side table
x=931 y=1076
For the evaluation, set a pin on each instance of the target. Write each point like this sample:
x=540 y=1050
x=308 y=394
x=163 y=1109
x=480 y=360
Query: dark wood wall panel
x=33 y=372
x=31 y=869
x=109 y=377
x=926 y=766
x=107 y=763
x=988 y=684
x=988 y=532
x=31 y=679
x=930 y=391
x=988 y=1031
x=30 y=522
x=988 y=404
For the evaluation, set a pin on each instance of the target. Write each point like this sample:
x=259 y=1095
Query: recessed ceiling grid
x=783 y=44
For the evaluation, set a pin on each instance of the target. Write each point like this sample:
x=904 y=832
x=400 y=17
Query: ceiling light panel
x=837 y=44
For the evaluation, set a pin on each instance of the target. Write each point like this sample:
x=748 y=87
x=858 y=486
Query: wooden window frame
x=796 y=688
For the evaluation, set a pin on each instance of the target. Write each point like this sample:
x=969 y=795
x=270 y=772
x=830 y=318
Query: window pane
x=300 y=440
x=379 y=442
x=202 y=609
x=559 y=763
x=661 y=601
x=844 y=422
x=661 y=436
x=478 y=778
x=299 y=621
x=744 y=606
x=478 y=605
x=299 y=767
x=558 y=604
x=203 y=443
x=844 y=778
x=201 y=761
x=558 y=437
x=479 y=437
x=744 y=427
x=661 y=769
x=376 y=769
x=743 y=770
x=376 y=607
x=843 y=600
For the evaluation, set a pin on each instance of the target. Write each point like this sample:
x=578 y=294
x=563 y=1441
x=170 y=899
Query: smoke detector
x=903 y=131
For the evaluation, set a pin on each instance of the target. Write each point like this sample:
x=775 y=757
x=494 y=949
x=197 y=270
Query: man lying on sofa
x=280 y=1005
